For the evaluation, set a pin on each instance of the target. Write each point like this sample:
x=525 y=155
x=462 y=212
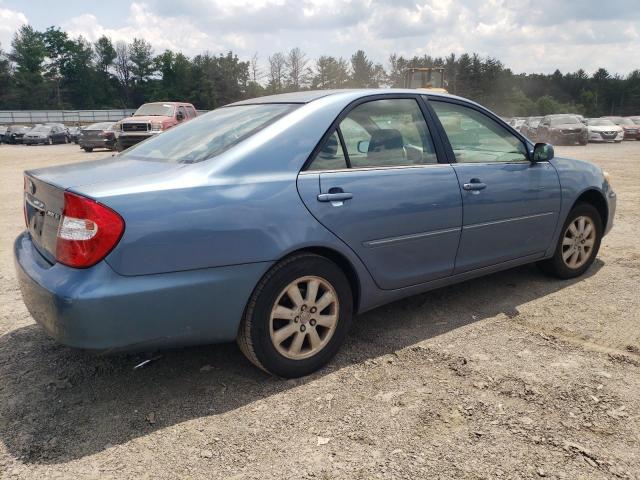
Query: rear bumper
x=127 y=140
x=102 y=143
x=99 y=310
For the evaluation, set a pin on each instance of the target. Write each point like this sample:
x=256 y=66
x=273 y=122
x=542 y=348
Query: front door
x=376 y=184
x=510 y=205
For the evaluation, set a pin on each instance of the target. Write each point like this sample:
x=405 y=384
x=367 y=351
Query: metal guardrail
x=9 y=117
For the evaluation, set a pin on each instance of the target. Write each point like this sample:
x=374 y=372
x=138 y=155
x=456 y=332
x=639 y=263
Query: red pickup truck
x=151 y=119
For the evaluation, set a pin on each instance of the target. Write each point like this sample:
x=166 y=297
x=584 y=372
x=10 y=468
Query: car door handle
x=334 y=197
x=474 y=185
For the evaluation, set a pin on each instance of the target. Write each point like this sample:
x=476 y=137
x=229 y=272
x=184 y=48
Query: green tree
x=5 y=80
x=106 y=84
x=297 y=70
x=28 y=54
x=364 y=74
x=142 y=67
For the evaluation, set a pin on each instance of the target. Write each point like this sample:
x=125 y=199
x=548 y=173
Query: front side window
x=210 y=134
x=382 y=133
x=476 y=138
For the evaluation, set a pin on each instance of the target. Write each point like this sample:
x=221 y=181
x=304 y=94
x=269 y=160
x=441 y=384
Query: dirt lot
x=515 y=376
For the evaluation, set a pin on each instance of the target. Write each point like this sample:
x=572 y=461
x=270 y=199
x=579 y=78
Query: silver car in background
x=604 y=130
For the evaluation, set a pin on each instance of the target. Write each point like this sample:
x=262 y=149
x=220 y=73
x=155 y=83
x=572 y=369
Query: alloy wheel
x=578 y=241
x=304 y=317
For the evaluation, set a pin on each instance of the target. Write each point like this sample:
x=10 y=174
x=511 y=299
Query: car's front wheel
x=578 y=244
x=297 y=317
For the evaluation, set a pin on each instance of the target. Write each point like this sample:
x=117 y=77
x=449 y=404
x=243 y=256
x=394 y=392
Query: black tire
x=555 y=265
x=87 y=149
x=584 y=142
x=254 y=337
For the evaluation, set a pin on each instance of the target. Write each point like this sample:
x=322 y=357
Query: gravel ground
x=514 y=375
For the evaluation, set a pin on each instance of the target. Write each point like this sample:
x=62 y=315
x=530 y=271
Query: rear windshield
x=210 y=134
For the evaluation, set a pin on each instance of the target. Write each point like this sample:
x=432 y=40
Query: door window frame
x=426 y=99
x=440 y=149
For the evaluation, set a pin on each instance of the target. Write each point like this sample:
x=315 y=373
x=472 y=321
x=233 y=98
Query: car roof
x=308 y=96
x=168 y=103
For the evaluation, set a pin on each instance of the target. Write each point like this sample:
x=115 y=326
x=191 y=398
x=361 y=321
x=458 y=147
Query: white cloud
x=10 y=21
x=162 y=32
x=526 y=35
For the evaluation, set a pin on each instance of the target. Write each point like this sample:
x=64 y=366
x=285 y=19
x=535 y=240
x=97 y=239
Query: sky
x=533 y=36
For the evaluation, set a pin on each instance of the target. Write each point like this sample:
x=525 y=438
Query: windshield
x=564 y=120
x=209 y=134
x=41 y=129
x=601 y=122
x=154 y=110
x=626 y=121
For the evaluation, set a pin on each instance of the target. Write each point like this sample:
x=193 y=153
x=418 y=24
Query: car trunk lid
x=44 y=192
x=43 y=206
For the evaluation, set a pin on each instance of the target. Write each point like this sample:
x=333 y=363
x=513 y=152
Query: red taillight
x=88 y=231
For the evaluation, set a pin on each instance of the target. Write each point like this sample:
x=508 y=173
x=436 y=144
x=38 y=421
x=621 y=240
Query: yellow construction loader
x=426 y=78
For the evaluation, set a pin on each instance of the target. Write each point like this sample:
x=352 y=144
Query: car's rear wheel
x=87 y=149
x=578 y=244
x=297 y=317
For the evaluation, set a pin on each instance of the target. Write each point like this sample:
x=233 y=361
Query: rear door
x=376 y=183
x=510 y=205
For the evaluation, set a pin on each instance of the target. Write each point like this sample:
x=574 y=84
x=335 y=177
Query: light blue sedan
x=274 y=220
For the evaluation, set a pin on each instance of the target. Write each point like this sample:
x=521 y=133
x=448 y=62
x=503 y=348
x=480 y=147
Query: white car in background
x=604 y=130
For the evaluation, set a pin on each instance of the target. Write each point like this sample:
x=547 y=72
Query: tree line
x=51 y=70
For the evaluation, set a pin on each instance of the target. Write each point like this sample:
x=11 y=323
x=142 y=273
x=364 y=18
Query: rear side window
x=330 y=156
x=382 y=133
x=210 y=134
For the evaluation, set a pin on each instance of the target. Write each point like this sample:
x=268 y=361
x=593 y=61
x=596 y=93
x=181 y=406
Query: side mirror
x=542 y=152
x=363 y=146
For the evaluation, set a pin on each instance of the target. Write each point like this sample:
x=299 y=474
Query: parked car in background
x=98 y=135
x=46 y=134
x=15 y=133
x=604 y=130
x=530 y=127
x=635 y=120
x=562 y=129
x=74 y=132
x=517 y=122
x=274 y=220
x=631 y=130
x=151 y=119
x=579 y=117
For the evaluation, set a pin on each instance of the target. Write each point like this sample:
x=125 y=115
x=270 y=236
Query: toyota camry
x=273 y=221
